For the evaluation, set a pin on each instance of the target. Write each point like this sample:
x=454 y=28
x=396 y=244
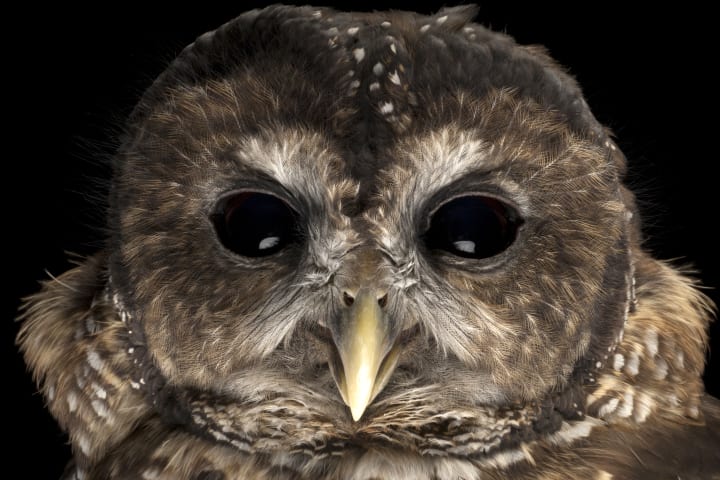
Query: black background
x=72 y=74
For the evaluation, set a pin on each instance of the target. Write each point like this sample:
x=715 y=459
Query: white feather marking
x=608 y=407
x=680 y=359
x=651 y=342
x=632 y=366
x=441 y=20
x=99 y=391
x=72 y=401
x=505 y=459
x=571 y=431
x=352 y=30
x=151 y=474
x=394 y=78
x=661 y=369
x=378 y=69
x=100 y=408
x=626 y=408
x=84 y=444
x=95 y=361
x=374 y=86
x=386 y=107
x=359 y=54
x=643 y=407
x=618 y=362
x=424 y=28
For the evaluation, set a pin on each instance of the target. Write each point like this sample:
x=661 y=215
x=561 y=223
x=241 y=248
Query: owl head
x=334 y=231
x=358 y=220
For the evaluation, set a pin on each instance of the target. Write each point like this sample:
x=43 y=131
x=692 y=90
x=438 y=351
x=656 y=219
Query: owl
x=372 y=246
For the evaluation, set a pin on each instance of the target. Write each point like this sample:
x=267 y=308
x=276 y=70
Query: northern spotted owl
x=372 y=246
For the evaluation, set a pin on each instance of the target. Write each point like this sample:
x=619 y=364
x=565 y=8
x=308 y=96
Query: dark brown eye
x=473 y=227
x=255 y=224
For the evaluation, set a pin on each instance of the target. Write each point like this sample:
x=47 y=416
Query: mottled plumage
x=189 y=348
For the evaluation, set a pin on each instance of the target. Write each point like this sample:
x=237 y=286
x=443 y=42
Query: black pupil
x=255 y=224
x=473 y=227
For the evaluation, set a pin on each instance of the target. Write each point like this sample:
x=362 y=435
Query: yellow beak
x=364 y=345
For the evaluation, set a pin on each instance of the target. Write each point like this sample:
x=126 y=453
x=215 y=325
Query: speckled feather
x=572 y=354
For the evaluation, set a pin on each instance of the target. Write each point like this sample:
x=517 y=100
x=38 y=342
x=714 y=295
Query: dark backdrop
x=74 y=73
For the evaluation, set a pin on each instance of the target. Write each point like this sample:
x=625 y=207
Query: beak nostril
x=348 y=299
x=382 y=301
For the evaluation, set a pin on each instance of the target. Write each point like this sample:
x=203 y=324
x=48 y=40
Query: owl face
x=397 y=231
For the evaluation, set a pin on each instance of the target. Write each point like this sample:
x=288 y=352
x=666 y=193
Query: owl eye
x=255 y=224
x=473 y=226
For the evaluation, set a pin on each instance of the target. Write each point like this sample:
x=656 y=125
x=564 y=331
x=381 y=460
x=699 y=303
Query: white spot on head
x=467 y=246
x=608 y=407
x=394 y=78
x=94 y=360
x=441 y=20
x=268 y=242
x=72 y=401
x=374 y=86
x=651 y=342
x=385 y=24
x=618 y=362
x=359 y=54
x=378 y=69
x=151 y=474
x=424 y=28
x=386 y=107
x=352 y=30
x=632 y=366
